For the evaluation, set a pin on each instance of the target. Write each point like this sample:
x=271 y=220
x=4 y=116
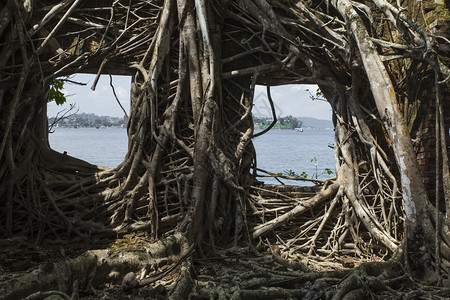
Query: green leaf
x=56 y=93
x=319 y=93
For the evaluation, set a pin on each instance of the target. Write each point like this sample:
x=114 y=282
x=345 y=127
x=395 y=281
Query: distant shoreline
x=78 y=127
x=84 y=120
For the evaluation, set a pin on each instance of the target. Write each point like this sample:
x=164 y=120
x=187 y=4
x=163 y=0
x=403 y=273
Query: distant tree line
x=288 y=122
x=90 y=120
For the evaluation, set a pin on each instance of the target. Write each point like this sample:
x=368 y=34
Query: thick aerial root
x=190 y=151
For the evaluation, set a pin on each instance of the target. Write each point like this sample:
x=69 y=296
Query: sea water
x=104 y=146
x=279 y=151
x=288 y=151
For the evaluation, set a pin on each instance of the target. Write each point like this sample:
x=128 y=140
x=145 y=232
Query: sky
x=101 y=101
x=291 y=100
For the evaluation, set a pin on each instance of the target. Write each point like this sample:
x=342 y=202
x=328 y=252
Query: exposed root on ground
x=226 y=274
x=191 y=168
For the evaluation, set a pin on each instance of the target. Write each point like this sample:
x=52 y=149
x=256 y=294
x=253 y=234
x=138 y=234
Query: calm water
x=281 y=150
x=277 y=150
x=105 y=146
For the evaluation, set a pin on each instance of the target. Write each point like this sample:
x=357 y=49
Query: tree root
x=301 y=207
x=195 y=65
x=101 y=273
x=98 y=268
x=44 y=295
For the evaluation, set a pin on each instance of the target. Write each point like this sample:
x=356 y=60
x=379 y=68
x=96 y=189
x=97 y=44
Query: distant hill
x=315 y=123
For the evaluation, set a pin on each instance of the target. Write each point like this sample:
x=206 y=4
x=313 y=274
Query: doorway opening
x=300 y=144
x=91 y=124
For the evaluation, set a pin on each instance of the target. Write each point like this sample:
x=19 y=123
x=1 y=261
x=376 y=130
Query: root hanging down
x=188 y=185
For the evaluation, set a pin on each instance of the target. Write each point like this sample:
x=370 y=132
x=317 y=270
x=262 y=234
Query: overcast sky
x=291 y=100
x=101 y=101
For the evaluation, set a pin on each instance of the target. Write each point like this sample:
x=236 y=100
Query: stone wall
x=438 y=18
x=426 y=155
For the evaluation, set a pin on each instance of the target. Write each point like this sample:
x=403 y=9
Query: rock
x=129 y=282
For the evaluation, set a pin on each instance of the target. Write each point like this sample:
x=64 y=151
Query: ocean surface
x=104 y=146
x=278 y=151
x=281 y=151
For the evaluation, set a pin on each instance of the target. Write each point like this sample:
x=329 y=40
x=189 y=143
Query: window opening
x=301 y=142
x=92 y=124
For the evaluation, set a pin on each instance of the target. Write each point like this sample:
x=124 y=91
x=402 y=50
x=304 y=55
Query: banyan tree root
x=341 y=220
x=195 y=65
x=265 y=277
x=97 y=269
x=226 y=274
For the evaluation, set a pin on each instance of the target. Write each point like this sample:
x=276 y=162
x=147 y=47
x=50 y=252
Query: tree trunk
x=191 y=167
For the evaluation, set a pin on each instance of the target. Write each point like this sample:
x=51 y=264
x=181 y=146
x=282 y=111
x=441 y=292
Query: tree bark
x=191 y=167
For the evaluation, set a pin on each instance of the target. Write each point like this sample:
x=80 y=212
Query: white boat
x=299 y=129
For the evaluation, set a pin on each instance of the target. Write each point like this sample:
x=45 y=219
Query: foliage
x=288 y=122
x=318 y=95
x=325 y=171
x=56 y=93
x=316 y=175
x=303 y=175
x=441 y=12
x=328 y=171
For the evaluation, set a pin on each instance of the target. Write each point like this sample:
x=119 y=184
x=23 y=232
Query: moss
x=441 y=12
